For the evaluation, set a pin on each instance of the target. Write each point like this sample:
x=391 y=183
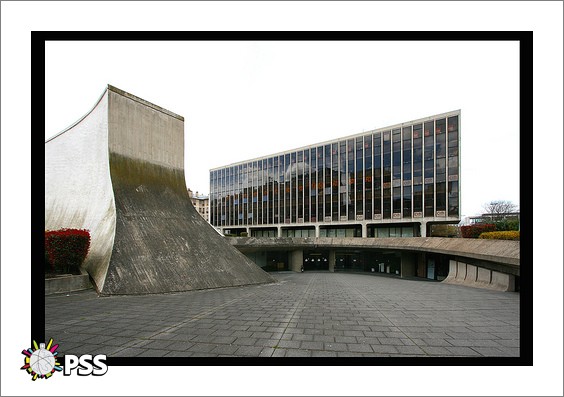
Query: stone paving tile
x=253 y=351
x=225 y=349
x=306 y=315
x=323 y=353
x=384 y=349
x=153 y=353
x=180 y=346
x=410 y=350
x=202 y=348
x=179 y=354
x=297 y=353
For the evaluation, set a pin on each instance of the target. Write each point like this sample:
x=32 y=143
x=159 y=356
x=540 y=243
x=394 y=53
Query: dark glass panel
x=417 y=198
x=453 y=165
x=429 y=200
x=293 y=187
x=441 y=145
x=387 y=202
x=429 y=171
x=441 y=196
x=306 y=184
x=320 y=183
x=368 y=152
x=453 y=198
x=327 y=186
x=407 y=201
x=397 y=199
x=352 y=179
x=440 y=126
x=387 y=158
x=453 y=123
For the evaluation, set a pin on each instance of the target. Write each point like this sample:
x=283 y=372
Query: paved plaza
x=311 y=314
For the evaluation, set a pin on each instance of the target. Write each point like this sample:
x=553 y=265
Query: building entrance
x=316 y=260
x=349 y=261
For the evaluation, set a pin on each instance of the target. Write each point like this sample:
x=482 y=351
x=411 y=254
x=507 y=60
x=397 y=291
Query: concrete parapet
x=503 y=253
x=66 y=284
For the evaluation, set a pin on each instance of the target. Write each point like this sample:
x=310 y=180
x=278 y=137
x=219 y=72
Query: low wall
x=66 y=284
x=473 y=276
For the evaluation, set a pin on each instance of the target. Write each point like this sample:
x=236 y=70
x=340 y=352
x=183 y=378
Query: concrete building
x=389 y=182
x=201 y=203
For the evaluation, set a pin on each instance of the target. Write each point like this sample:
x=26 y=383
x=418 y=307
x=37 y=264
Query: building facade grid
x=409 y=172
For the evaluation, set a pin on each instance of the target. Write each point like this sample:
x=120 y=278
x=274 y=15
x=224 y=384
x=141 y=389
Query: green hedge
x=65 y=250
x=505 y=235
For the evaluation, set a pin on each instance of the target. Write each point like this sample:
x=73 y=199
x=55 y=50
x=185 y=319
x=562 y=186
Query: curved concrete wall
x=78 y=189
x=119 y=173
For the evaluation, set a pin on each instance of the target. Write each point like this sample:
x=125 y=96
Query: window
x=407 y=153
x=429 y=200
x=407 y=201
x=453 y=198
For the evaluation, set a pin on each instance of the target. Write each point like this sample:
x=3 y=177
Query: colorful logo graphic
x=41 y=362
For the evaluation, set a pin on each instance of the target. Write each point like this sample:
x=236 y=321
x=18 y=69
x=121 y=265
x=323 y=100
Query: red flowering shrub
x=66 y=249
x=474 y=231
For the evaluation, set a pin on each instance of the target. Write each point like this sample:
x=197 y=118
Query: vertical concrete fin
x=119 y=172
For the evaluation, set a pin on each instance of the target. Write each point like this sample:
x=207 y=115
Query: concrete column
x=332 y=257
x=423 y=229
x=296 y=260
x=408 y=264
x=421 y=268
x=316 y=230
x=279 y=231
x=364 y=230
x=248 y=231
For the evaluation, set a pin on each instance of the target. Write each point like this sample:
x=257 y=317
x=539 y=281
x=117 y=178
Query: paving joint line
x=383 y=315
x=194 y=318
x=299 y=304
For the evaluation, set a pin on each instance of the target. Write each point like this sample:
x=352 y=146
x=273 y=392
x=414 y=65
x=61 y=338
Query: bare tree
x=499 y=209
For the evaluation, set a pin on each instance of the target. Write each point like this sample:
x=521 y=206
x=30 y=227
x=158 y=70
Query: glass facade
x=396 y=174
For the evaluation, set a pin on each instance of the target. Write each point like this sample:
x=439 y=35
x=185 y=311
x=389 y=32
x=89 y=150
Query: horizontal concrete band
x=67 y=284
x=502 y=252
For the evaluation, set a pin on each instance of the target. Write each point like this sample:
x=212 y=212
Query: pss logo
x=42 y=361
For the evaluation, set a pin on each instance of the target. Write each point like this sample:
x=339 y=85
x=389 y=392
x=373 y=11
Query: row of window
x=399 y=173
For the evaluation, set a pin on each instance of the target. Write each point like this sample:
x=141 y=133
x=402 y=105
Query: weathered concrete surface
x=125 y=183
x=473 y=276
x=78 y=189
x=66 y=284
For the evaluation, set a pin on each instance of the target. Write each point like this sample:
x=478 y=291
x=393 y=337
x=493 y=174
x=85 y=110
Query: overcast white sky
x=239 y=99
x=249 y=99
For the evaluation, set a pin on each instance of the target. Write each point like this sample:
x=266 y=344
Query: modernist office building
x=389 y=182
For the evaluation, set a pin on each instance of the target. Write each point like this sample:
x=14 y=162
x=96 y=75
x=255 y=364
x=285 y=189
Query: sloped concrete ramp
x=119 y=172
